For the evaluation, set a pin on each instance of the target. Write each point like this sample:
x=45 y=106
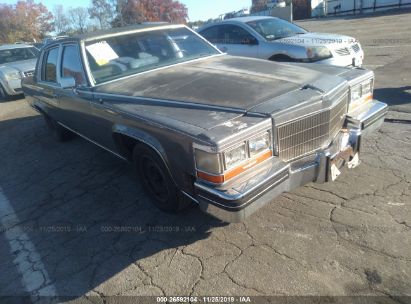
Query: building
x=352 y=7
x=303 y=9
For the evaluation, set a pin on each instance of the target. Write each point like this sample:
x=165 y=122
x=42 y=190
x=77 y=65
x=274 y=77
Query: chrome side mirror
x=67 y=82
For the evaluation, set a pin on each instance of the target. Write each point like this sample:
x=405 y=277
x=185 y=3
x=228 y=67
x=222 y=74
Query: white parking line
x=34 y=276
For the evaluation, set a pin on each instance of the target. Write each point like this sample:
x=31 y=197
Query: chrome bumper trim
x=368 y=117
x=237 y=202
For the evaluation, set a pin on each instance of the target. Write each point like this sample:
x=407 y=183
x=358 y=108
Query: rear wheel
x=58 y=132
x=157 y=181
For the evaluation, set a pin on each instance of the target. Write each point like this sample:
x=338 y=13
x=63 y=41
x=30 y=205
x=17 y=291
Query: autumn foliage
x=137 y=11
x=29 y=21
x=258 y=5
x=24 y=21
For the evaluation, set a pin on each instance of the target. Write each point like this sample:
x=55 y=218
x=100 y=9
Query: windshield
x=272 y=29
x=115 y=57
x=18 y=54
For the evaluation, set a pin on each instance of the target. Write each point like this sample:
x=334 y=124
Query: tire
x=58 y=132
x=281 y=58
x=156 y=180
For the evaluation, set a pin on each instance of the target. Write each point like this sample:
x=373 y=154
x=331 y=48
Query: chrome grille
x=28 y=73
x=343 y=51
x=356 y=48
x=309 y=133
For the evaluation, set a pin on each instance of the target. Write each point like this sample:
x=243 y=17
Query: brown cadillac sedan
x=227 y=133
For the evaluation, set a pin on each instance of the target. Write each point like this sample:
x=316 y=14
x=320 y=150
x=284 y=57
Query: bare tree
x=102 y=10
x=61 y=22
x=79 y=18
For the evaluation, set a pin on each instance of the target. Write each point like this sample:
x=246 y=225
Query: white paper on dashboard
x=102 y=52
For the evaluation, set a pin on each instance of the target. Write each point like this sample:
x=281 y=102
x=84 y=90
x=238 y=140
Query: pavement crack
x=150 y=277
x=201 y=276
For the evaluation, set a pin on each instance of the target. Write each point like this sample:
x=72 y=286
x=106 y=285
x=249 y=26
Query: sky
x=197 y=9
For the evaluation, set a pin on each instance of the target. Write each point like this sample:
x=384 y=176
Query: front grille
x=309 y=133
x=356 y=48
x=28 y=73
x=343 y=51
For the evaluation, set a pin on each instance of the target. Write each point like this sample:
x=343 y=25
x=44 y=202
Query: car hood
x=223 y=81
x=229 y=86
x=319 y=39
x=21 y=66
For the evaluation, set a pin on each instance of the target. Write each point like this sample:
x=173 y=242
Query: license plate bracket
x=345 y=158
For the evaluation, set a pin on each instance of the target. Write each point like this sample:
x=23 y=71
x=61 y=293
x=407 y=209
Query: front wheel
x=156 y=180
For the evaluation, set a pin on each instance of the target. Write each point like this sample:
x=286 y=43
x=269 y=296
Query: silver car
x=16 y=62
x=279 y=40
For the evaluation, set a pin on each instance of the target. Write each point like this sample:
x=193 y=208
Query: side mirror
x=67 y=82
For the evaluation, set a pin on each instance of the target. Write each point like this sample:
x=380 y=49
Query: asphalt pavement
x=75 y=222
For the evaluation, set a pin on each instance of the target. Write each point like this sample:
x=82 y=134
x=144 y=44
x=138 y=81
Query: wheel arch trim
x=144 y=138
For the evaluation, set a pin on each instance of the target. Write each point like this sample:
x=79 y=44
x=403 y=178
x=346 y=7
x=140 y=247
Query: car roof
x=14 y=46
x=236 y=20
x=248 y=19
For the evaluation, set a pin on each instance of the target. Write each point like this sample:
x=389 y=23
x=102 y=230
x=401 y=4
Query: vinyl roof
x=119 y=30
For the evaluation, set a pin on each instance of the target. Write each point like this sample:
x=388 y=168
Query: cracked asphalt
x=75 y=222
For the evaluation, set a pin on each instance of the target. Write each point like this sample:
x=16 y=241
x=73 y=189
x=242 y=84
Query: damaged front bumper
x=236 y=200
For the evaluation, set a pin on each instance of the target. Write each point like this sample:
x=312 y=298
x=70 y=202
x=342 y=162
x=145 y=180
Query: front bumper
x=352 y=60
x=236 y=200
x=12 y=87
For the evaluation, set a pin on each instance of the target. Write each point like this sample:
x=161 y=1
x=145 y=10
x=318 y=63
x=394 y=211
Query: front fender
x=145 y=138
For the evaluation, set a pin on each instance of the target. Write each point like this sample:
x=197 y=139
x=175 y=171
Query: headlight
x=318 y=53
x=13 y=76
x=235 y=156
x=208 y=162
x=259 y=144
x=360 y=93
x=356 y=92
x=219 y=167
x=366 y=88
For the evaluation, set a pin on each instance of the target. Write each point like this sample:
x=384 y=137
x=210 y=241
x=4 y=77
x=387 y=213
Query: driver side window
x=233 y=34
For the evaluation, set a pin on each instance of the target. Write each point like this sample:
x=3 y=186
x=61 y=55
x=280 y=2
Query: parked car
x=279 y=40
x=38 y=45
x=225 y=132
x=53 y=38
x=17 y=61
